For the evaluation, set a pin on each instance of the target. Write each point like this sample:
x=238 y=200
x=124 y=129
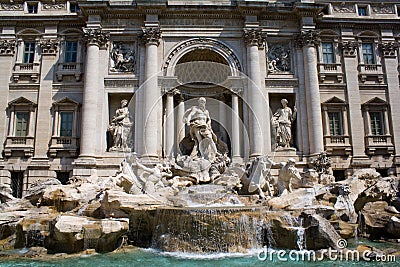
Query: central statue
x=199 y=121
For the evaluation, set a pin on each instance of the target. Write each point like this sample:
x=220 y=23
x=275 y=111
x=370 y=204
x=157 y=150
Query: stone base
x=283 y=154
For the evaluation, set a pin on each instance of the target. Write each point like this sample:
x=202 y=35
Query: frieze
x=7 y=47
x=95 y=36
x=151 y=35
x=383 y=9
x=53 y=6
x=121 y=83
x=254 y=37
x=278 y=24
x=349 y=48
x=123 y=58
x=278 y=58
x=49 y=46
x=308 y=38
x=389 y=49
x=202 y=22
x=344 y=8
x=11 y=7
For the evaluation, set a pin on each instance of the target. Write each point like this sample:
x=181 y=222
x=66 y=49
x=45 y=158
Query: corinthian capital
x=349 y=48
x=49 y=46
x=7 y=47
x=95 y=36
x=308 y=38
x=254 y=37
x=389 y=49
x=151 y=35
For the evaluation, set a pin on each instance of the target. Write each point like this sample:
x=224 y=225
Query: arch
x=367 y=34
x=29 y=31
x=70 y=31
x=328 y=33
x=201 y=43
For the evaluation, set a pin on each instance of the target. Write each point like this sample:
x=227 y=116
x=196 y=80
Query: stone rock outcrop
x=37 y=189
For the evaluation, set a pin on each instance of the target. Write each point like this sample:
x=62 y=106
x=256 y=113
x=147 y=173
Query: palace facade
x=66 y=66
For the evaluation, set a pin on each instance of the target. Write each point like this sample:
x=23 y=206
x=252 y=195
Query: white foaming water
x=203 y=256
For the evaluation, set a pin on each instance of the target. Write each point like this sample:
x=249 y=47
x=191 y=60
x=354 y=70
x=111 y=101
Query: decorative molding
x=53 y=6
x=308 y=38
x=389 y=49
x=49 y=46
x=151 y=35
x=344 y=8
x=95 y=36
x=123 y=58
x=383 y=9
x=254 y=37
x=349 y=48
x=11 y=7
x=7 y=47
x=279 y=58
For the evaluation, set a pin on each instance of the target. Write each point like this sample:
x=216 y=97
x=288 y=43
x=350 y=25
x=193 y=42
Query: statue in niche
x=119 y=127
x=282 y=124
x=287 y=173
x=278 y=59
x=123 y=59
x=199 y=121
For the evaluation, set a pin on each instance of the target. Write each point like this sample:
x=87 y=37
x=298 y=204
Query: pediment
x=21 y=101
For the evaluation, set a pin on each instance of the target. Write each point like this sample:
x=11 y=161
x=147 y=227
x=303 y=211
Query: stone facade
x=66 y=66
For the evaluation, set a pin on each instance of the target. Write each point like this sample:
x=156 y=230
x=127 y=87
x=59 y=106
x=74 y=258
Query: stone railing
x=372 y=70
x=338 y=143
x=31 y=70
x=19 y=145
x=333 y=69
x=382 y=143
x=65 y=144
x=69 y=69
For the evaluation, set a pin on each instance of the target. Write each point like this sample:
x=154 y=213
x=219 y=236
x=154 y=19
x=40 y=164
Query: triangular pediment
x=376 y=101
x=65 y=101
x=21 y=101
x=335 y=100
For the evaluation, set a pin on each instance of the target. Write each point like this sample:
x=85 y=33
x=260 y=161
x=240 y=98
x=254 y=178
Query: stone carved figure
x=287 y=173
x=154 y=178
x=123 y=59
x=278 y=59
x=282 y=123
x=322 y=164
x=258 y=177
x=120 y=126
x=199 y=121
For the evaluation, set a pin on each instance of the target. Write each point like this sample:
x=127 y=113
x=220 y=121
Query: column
x=169 y=124
x=49 y=49
x=224 y=126
x=390 y=62
x=7 y=52
x=257 y=99
x=95 y=38
x=308 y=40
x=152 y=108
x=357 y=133
x=235 y=142
x=180 y=126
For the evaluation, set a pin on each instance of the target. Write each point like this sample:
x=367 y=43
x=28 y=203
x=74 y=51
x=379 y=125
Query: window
x=21 y=124
x=335 y=124
x=368 y=53
x=66 y=123
x=327 y=53
x=32 y=8
x=29 y=52
x=362 y=11
x=376 y=123
x=74 y=8
x=71 y=49
x=17 y=179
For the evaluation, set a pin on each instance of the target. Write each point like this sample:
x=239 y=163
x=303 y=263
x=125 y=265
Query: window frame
x=332 y=53
x=71 y=56
x=340 y=122
x=34 y=4
x=28 y=56
x=372 y=54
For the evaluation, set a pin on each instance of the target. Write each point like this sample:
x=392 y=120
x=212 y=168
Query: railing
x=24 y=144
x=368 y=68
x=18 y=140
x=27 y=67
x=337 y=140
x=65 y=144
x=64 y=140
x=379 y=140
x=73 y=68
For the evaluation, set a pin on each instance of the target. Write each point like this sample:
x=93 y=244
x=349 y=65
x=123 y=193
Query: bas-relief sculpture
x=282 y=124
x=123 y=59
x=278 y=57
x=120 y=128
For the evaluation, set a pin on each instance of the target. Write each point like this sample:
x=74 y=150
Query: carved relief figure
x=123 y=59
x=198 y=119
x=282 y=124
x=119 y=127
x=278 y=59
x=287 y=173
x=153 y=177
x=257 y=174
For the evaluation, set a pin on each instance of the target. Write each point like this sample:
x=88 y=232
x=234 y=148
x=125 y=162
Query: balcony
x=64 y=145
x=69 y=69
x=19 y=146
x=379 y=144
x=330 y=73
x=337 y=144
x=26 y=72
x=370 y=73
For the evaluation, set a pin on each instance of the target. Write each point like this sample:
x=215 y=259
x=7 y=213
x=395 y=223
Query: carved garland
x=49 y=46
x=151 y=35
x=199 y=41
x=7 y=47
x=95 y=36
x=349 y=48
